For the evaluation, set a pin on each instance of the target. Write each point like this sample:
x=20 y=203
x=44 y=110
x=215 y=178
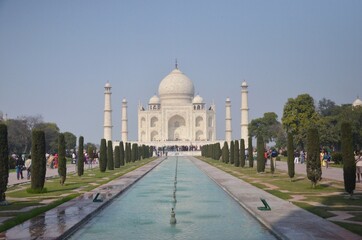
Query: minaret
x=107 y=127
x=228 y=130
x=124 y=121
x=244 y=112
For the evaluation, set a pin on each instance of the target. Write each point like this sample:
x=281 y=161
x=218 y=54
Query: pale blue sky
x=56 y=56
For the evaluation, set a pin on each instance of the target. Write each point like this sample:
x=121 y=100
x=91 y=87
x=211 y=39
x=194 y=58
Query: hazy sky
x=56 y=56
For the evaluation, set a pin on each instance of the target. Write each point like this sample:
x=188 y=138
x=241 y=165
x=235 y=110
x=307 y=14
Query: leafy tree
x=314 y=171
x=51 y=132
x=103 y=156
x=299 y=114
x=121 y=152
x=232 y=152
x=291 y=167
x=70 y=140
x=110 y=163
x=236 y=154
x=4 y=162
x=268 y=127
x=225 y=153
x=326 y=107
x=62 y=161
x=38 y=162
x=19 y=136
x=260 y=166
x=80 y=162
x=250 y=152
x=242 y=153
x=349 y=165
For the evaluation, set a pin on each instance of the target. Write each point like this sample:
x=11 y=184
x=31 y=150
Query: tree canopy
x=299 y=114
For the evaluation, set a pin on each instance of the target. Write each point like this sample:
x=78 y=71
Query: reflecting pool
x=203 y=210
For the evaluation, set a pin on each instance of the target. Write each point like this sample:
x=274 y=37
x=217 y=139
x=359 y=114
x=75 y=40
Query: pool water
x=203 y=210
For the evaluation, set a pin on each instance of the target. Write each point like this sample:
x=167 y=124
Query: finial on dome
x=176 y=65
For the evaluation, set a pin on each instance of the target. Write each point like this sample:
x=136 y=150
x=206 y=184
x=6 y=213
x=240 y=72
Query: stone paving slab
x=64 y=219
x=286 y=220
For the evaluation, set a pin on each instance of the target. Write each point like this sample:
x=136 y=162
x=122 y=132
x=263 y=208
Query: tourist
x=296 y=157
x=358 y=158
x=302 y=156
x=28 y=166
x=274 y=155
x=325 y=158
x=19 y=167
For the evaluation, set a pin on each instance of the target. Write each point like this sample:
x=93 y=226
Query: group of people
x=325 y=158
x=300 y=157
x=21 y=165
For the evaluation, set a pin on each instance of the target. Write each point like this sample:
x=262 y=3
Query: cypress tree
x=242 y=153
x=121 y=151
x=349 y=164
x=110 y=163
x=134 y=152
x=232 y=152
x=117 y=157
x=260 y=161
x=218 y=151
x=314 y=170
x=236 y=154
x=62 y=161
x=38 y=162
x=4 y=162
x=128 y=155
x=103 y=156
x=291 y=167
x=80 y=163
x=225 y=153
x=90 y=153
x=250 y=152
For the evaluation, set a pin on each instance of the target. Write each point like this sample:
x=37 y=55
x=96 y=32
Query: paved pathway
x=328 y=173
x=51 y=172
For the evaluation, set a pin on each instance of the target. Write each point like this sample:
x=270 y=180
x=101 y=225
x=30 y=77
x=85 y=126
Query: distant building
x=176 y=114
x=357 y=102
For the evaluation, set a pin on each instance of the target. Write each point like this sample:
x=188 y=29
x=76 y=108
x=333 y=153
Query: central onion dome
x=176 y=88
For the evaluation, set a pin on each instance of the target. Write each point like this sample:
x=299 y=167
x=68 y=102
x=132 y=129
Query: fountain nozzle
x=173 y=218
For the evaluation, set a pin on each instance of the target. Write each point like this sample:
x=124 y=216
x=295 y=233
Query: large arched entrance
x=177 y=128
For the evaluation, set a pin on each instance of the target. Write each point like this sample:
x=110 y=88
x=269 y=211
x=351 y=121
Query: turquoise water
x=203 y=210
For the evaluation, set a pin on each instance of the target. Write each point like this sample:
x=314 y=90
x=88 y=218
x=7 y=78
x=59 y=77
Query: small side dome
x=198 y=100
x=357 y=102
x=154 y=100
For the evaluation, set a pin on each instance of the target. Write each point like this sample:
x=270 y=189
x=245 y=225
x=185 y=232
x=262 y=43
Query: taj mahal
x=176 y=116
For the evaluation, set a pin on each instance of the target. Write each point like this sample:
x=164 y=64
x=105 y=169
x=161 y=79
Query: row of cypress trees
x=235 y=155
x=122 y=154
x=314 y=171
